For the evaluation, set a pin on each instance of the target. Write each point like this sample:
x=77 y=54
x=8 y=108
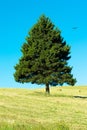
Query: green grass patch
x=58 y=126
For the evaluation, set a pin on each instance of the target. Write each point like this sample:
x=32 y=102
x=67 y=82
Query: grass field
x=23 y=109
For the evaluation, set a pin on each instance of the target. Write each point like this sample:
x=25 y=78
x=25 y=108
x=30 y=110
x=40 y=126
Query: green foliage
x=45 y=56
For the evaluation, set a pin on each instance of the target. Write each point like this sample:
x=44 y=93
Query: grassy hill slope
x=23 y=109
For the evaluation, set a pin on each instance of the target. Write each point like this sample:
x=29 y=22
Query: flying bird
x=75 y=28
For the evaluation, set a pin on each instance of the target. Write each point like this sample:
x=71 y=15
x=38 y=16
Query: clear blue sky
x=18 y=16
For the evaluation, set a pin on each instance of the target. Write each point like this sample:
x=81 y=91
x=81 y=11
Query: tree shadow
x=83 y=97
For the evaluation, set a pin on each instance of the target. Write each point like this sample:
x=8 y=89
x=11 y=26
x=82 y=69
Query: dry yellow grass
x=33 y=108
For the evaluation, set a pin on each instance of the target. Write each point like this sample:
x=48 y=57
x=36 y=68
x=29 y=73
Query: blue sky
x=18 y=16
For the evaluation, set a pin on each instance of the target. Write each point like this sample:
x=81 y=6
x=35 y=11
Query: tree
x=45 y=56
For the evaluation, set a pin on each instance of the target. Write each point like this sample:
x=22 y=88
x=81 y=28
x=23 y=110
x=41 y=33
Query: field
x=23 y=109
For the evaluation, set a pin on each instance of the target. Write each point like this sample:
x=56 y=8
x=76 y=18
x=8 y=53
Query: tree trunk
x=47 y=88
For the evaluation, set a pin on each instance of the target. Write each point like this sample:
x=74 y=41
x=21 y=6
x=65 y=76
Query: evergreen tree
x=45 y=56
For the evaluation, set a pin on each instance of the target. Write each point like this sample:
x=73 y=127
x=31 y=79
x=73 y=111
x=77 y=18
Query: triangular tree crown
x=45 y=56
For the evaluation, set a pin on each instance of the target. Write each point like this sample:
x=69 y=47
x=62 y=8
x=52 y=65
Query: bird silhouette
x=75 y=28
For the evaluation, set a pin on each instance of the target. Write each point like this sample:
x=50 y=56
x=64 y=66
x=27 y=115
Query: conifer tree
x=45 y=57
